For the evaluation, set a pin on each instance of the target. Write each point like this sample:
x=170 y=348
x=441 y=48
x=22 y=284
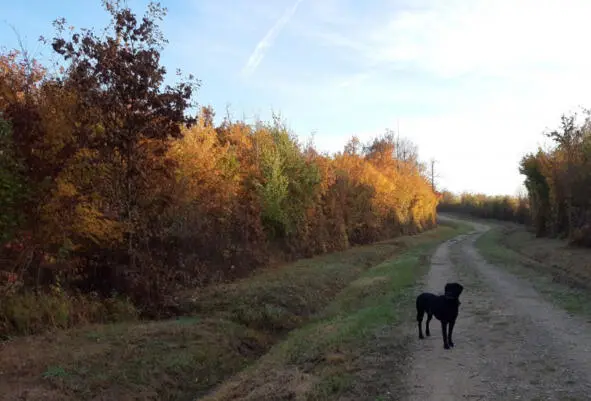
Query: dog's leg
x=451 y=329
x=429 y=317
x=420 y=314
x=444 y=332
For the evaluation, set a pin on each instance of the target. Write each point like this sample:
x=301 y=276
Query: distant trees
x=558 y=182
x=507 y=208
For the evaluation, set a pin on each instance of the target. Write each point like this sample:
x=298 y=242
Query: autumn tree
x=122 y=192
x=125 y=112
x=12 y=183
x=22 y=136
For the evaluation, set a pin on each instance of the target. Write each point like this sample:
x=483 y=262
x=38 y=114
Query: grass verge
x=229 y=327
x=555 y=282
x=335 y=354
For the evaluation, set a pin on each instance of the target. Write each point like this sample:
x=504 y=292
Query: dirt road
x=510 y=343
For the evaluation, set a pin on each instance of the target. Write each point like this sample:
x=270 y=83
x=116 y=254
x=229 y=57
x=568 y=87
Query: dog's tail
x=420 y=309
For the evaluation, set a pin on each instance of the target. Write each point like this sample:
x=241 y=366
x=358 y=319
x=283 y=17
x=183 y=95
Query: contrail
x=259 y=52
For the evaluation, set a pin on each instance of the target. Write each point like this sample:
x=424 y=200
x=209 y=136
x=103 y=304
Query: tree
x=124 y=112
x=531 y=166
x=569 y=141
x=12 y=183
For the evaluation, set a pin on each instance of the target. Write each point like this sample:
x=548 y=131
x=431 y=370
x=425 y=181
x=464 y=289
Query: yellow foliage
x=91 y=224
x=207 y=170
x=75 y=211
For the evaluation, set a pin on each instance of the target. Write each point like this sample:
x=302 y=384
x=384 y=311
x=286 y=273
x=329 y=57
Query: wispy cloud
x=259 y=52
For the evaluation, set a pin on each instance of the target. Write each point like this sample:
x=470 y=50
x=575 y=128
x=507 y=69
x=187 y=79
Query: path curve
x=510 y=343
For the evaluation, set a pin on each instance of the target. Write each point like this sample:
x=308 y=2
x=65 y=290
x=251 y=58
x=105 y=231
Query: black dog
x=444 y=307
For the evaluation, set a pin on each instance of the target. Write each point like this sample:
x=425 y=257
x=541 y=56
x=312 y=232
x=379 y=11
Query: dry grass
x=571 y=265
x=165 y=360
x=558 y=271
x=279 y=300
x=232 y=326
x=326 y=359
x=34 y=313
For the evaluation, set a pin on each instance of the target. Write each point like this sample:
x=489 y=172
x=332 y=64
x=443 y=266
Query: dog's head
x=453 y=290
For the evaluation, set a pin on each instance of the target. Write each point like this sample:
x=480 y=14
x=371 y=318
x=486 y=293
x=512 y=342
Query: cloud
x=487 y=38
x=452 y=54
x=451 y=38
x=259 y=52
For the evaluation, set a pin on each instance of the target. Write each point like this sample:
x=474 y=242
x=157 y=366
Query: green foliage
x=54 y=371
x=558 y=182
x=538 y=190
x=291 y=183
x=273 y=192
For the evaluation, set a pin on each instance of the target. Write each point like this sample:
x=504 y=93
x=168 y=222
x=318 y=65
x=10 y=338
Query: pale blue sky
x=472 y=82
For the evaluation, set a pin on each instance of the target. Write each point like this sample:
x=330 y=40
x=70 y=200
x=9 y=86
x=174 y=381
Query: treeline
x=559 y=182
x=508 y=208
x=109 y=186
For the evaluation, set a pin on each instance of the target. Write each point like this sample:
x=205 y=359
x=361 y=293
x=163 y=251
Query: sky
x=474 y=83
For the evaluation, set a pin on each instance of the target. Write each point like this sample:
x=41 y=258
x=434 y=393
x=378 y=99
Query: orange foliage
x=294 y=200
x=558 y=182
x=144 y=211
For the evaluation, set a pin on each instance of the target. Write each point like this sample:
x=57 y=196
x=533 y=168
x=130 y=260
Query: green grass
x=322 y=307
x=322 y=359
x=573 y=300
x=489 y=245
x=281 y=299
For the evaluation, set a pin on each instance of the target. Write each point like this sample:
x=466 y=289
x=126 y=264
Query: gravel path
x=510 y=343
